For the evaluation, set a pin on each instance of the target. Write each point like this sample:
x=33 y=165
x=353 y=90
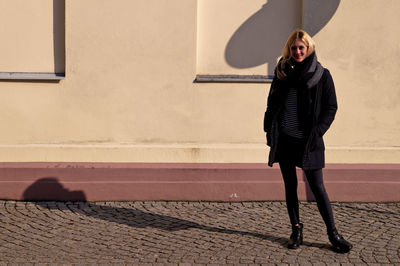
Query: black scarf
x=306 y=73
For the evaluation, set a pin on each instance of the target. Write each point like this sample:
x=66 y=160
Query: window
x=33 y=42
x=240 y=41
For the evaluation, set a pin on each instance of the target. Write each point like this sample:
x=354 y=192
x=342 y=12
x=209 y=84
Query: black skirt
x=290 y=149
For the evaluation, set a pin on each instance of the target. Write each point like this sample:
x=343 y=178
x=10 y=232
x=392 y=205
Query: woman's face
x=298 y=50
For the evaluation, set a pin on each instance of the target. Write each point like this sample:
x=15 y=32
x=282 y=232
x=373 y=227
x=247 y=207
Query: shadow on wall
x=261 y=37
x=50 y=188
x=59 y=36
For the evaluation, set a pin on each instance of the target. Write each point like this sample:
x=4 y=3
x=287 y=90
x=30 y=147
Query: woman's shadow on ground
x=50 y=189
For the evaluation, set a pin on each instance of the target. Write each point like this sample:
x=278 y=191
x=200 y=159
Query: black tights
x=315 y=180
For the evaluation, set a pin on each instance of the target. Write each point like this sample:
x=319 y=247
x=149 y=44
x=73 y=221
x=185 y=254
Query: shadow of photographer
x=50 y=189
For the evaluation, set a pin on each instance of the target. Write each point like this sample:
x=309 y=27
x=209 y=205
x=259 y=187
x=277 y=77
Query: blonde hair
x=304 y=37
x=297 y=34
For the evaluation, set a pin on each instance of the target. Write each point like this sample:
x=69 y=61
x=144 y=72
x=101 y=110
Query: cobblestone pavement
x=187 y=233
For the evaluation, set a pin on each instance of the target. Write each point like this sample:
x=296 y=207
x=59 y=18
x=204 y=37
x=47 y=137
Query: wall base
x=188 y=182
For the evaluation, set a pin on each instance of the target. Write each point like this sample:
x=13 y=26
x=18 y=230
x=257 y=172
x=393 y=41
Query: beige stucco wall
x=360 y=45
x=129 y=95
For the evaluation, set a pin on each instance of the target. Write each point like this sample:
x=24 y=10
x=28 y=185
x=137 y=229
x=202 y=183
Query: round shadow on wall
x=261 y=37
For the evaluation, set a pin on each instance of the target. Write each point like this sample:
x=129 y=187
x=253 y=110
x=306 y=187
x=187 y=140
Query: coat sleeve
x=269 y=113
x=328 y=104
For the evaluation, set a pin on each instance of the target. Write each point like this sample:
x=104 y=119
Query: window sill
x=233 y=79
x=31 y=76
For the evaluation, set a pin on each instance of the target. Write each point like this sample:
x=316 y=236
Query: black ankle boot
x=296 y=238
x=338 y=243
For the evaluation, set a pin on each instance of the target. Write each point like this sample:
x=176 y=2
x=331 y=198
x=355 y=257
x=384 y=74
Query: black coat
x=323 y=109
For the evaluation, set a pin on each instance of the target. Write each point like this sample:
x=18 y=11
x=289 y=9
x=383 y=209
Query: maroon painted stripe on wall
x=188 y=181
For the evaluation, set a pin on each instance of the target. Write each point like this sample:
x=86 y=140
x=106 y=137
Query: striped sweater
x=290 y=124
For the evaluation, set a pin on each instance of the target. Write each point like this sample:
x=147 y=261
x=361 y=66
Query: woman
x=301 y=107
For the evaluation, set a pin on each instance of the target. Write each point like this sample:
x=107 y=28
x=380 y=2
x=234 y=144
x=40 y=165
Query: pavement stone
x=191 y=233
